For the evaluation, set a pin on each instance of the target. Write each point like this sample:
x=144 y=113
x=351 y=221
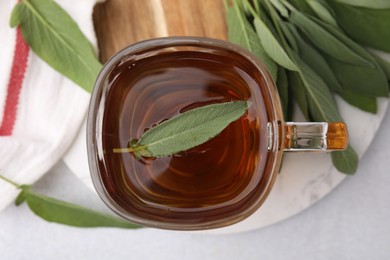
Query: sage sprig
x=62 y=212
x=187 y=130
x=56 y=38
x=313 y=43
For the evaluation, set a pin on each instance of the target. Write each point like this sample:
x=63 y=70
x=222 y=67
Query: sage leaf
x=21 y=198
x=385 y=65
x=55 y=37
x=188 y=129
x=323 y=11
x=241 y=32
x=368 y=104
x=282 y=85
x=286 y=28
x=325 y=40
x=62 y=212
x=266 y=19
x=272 y=46
x=300 y=5
x=280 y=7
x=322 y=107
x=362 y=79
x=346 y=161
x=372 y=4
x=284 y=32
x=299 y=93
x=368 y=26
x=314 y=59
x=16 y=15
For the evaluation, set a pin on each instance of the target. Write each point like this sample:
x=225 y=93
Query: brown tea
x=212 y=181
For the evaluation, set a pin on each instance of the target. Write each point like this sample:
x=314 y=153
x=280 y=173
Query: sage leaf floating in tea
x=187 y=130
x=55 y=37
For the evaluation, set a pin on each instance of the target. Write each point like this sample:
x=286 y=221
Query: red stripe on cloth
x=15 y=83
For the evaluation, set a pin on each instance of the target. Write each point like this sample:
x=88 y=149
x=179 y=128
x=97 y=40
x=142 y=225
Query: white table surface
x=353 y=222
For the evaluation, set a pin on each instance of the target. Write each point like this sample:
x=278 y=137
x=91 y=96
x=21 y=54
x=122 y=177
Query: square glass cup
x=216 y=184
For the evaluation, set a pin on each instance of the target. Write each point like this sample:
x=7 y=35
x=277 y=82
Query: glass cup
x=217 y=183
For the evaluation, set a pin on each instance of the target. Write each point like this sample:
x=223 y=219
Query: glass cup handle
x=311 y=136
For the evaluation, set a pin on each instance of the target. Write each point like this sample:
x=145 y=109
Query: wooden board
x=119 y=23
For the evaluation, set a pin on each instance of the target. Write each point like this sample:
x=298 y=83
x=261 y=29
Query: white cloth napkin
x=40 y=110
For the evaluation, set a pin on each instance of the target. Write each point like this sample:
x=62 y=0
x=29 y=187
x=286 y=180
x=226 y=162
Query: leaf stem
x=123 y=150
x=10 y=181
x=252 y=10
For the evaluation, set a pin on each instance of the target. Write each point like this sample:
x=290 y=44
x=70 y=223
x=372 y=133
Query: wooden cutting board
x=119 y=23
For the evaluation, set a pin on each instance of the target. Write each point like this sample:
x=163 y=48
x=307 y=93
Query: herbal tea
x=214 y=180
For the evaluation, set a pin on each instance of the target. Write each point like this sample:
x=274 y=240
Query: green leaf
x=322 y=106
x=282 y=85
x=16 y=15
x=22 y=195
x=301 y=5
x=326 y=41
x=362 y=79
x=346 y=161
x=62 y=212
x=311 y=92
x=299 y=93
x=266 y=19
x=188 y=129
x=55 y=37
x=242 y=33
x=365 y=103
x=278 y=5
x=368 y=26
x=374 y=4
x=20 y=198
x=314 y=59
x=286 y=28
x=323 y=11
x=385 y=65
x=271 y=45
